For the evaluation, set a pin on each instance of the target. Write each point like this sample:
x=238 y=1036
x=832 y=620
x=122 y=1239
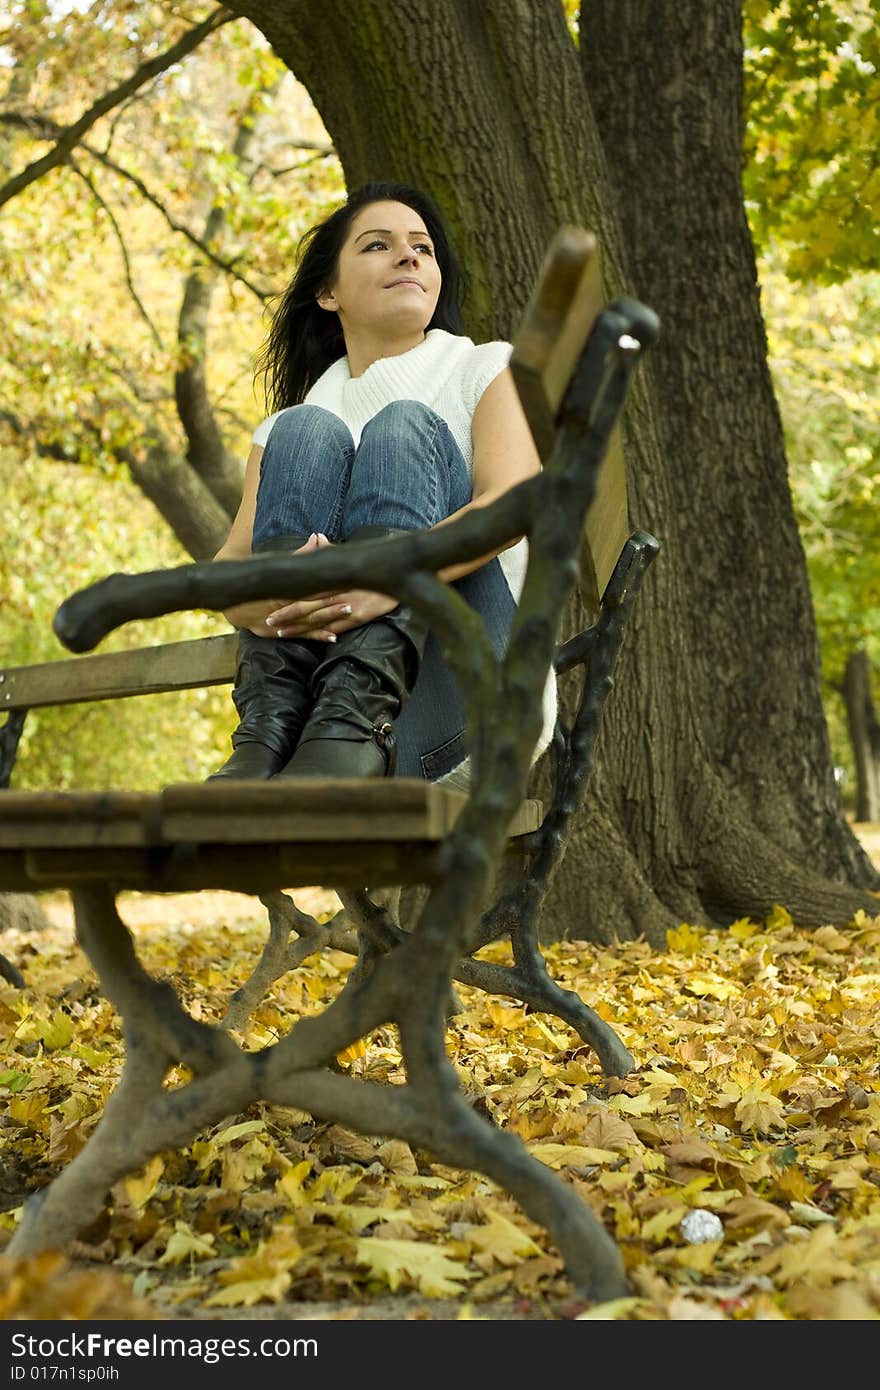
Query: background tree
x=714 y=794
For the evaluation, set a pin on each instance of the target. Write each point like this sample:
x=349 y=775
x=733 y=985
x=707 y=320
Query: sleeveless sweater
x=448 y=373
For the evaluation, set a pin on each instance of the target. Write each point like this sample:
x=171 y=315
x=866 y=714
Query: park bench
x=572 y=361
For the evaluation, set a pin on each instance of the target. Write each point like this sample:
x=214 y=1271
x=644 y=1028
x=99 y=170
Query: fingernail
x=346 y=608
x=331 y=637
x=279 y=633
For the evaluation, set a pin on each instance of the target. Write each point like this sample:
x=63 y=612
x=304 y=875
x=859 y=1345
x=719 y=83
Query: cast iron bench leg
x=142 y=1118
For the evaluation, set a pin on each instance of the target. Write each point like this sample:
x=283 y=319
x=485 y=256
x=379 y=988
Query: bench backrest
x=567 y=299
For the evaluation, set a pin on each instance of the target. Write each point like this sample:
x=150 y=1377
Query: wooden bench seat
x=244 y=836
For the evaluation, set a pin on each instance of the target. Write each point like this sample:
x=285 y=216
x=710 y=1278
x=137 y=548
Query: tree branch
x=206 y=451
x=227 y=266
x=39 y=125
x=44 y=128
x=73 y=134
x=117 y=231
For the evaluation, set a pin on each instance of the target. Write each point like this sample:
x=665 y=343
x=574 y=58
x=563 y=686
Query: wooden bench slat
x=558 y=320
x=556 y=323
x=201 y=661
x=41 y=819
x=252 y=869
x=342 y=811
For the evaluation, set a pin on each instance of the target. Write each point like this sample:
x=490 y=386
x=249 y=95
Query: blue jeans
x=408 y=473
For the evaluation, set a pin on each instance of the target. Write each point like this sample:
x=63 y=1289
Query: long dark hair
x=303 y=338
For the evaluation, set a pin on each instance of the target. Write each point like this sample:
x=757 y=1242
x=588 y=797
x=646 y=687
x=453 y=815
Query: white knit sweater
x=448 y=373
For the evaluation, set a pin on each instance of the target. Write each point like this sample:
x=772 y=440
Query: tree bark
x=713 y=794
x=864 y=734
x=207 y=454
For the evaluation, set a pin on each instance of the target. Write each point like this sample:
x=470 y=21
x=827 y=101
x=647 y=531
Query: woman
x=385 y=418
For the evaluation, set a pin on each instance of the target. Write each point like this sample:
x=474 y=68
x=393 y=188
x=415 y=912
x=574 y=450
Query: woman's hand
x=254 y=614
x=322 y=616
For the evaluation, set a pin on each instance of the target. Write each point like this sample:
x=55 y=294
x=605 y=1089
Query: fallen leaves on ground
x=756 y=1099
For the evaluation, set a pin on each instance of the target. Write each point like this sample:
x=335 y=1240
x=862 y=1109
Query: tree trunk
x=21 y=912
x=713 y=795
x=864 y=734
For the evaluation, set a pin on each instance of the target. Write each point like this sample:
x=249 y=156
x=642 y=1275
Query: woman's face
x=387 y=278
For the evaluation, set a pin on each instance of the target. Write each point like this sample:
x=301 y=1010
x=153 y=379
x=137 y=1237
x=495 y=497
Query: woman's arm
x=237 y=546
x=504 y=455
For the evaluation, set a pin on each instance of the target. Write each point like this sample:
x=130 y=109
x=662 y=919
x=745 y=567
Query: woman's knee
x=304 y=474
x=401 y=419
x=307 y=426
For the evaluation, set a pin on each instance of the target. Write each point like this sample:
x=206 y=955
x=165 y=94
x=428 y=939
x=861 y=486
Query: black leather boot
x=271 y=694
x=358 y=688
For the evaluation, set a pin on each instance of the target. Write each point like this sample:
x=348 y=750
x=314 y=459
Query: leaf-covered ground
x=738 y=1168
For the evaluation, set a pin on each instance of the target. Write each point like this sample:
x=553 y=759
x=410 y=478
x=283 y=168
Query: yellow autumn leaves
x=756 y=1100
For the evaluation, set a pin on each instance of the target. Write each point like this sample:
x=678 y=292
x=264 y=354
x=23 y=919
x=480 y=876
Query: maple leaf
x=658 y=1227
x=67 y=1140
x=614 y=1309
x=686 y=1309
x=742 y=929
x=246 y=1292
x=48 y=1287
x=53 y=1032
x=845 y=1302
x=759 y=1110
x=794 y=1185
x=336 y=1139
x=571 y=1155
x=428 y=1268
x=705 y=983
x=245 y=1164
x=338 y=1183
x=209 y=1151
x=351 y=1217
x=605 y=1130
x=291 y=1184
x=503 y=1240
x=352 y=1053
x=505 y=1017
x=816 y=1261
x=397 y=1157
x=262 y=1277
x=687 y=940
x=642 y=1104
x=140 y=1187
x=830 y=939
x=777 y=918
x=185 y=1244
x=694 y=1153
x=753 y=1212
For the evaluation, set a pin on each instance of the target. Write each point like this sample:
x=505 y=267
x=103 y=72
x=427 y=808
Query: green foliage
x=57 y=539
x=812 y=189
x=85 y=253
x=812 y=105
x=825 y=359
